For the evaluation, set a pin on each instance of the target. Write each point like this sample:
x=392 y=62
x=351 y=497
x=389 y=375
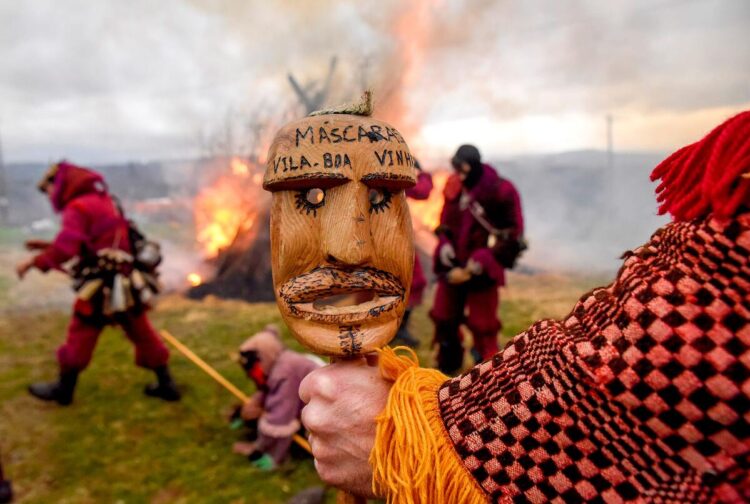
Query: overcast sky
x=104 y=81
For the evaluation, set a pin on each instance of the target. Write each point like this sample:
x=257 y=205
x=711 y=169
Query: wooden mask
x=341 y=236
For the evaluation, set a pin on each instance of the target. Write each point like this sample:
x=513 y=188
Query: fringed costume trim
x=413 y=460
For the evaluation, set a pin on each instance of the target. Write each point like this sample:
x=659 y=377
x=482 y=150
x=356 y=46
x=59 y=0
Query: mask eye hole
x=309 y=200
x=380 y=199
x=315 y=196
x=376 y=196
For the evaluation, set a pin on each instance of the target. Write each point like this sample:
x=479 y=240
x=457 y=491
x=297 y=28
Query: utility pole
x=4 y=201
x=610 y=146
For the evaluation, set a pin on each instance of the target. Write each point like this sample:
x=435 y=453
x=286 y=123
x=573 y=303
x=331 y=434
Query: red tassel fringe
x=709 y=176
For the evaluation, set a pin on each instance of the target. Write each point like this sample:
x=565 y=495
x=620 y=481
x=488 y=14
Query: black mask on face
x=248 y=359
x=470 y=179
x=468 y=155
x=250 y=362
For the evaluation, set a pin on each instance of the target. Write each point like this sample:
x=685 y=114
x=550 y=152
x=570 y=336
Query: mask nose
x=346 y=239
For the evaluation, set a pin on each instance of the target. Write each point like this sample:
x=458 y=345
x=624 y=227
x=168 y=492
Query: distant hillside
x=579 y=216
x=130 y=182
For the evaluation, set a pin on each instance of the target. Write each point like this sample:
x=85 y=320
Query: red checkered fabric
x=640 y=394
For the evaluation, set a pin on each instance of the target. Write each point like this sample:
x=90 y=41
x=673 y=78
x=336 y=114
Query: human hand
x=343 y=400
x=23 y=267
x=251 y=409
x=474 y=267
x=447 y=255
x=36 y=244
x=458 y=276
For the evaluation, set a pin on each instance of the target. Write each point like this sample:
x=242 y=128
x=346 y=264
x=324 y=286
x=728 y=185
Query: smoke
x=580 y=214
x=179 y=261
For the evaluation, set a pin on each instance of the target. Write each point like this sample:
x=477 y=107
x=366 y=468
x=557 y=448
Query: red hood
x=486 y=186
x=72 y=181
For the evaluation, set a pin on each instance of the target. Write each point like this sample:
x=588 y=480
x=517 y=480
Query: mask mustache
x=324 y=281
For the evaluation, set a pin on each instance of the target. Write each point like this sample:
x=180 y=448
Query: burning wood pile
x=232 y=219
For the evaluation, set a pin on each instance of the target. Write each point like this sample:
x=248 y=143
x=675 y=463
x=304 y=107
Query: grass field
x=116 y=445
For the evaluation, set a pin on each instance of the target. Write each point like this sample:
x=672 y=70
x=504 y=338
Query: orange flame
x=239 y=167
x=426 y=213
x=194 y=279
x=229 y=207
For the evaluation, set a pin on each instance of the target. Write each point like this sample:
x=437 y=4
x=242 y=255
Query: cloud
x=593 y=56
x=136 y=80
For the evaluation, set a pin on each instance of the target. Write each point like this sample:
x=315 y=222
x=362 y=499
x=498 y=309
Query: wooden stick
x=220 y=379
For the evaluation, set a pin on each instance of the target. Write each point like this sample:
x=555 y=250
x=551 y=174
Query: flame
x=229 y=207
x=239 y=167
x=426 y=213
x=194 y=279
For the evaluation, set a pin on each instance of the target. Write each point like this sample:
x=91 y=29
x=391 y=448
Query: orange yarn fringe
x=413 y=459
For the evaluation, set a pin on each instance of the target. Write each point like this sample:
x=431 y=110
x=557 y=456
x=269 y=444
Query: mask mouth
x=343 y=301
x=338 y=296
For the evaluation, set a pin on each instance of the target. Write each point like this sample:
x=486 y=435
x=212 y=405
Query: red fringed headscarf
x=71 y=181
x=709 y=176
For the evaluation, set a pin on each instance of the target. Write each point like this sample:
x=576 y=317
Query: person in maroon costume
x=421 y=191
x=481 y=216
x=91 y=223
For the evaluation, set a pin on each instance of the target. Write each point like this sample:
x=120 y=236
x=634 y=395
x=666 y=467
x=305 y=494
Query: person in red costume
x=479 y=225
x=420 y=191
x=112 y=284
x=640 y=394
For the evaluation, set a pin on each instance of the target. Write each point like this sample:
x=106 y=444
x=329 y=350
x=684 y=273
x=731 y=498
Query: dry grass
x=115 y=445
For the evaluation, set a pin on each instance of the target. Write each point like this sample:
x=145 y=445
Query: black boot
x=60 y=391
x=6 y=492
x=165 y=388
x=450 y=357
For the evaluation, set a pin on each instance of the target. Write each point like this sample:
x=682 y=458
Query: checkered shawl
x=640 y=394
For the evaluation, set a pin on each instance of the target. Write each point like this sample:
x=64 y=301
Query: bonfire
x=231 y=219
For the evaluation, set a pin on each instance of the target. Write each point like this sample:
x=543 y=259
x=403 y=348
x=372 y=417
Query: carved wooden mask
x=341 y=236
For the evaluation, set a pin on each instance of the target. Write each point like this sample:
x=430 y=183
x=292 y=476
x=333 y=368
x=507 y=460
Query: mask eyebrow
x=307 y=180
x=392 y=181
